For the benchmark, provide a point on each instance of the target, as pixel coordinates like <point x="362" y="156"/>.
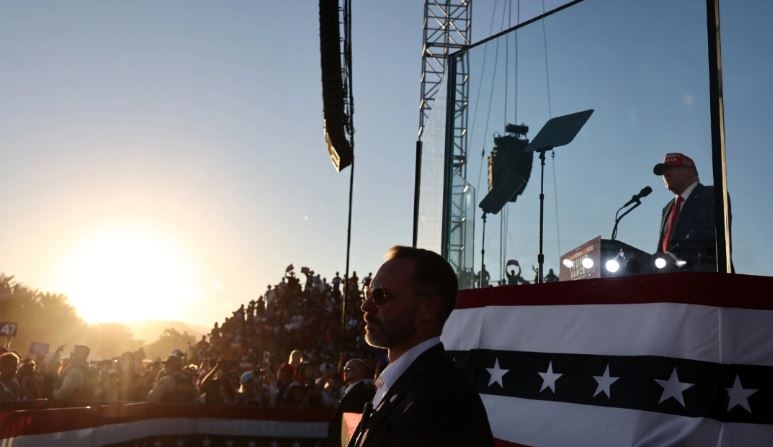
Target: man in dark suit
<point x="687" y="224"/>
<point x="422" y="398"/>
<point x="359" y="391"/>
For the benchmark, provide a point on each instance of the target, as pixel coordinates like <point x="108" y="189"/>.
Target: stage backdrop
<point x="162" y="425"/>
<point x="683" y="359"/>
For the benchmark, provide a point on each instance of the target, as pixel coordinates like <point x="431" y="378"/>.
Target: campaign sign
<point x="7" y="329"/>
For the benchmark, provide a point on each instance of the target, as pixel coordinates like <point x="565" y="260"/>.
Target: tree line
<point x="48" y="320"/>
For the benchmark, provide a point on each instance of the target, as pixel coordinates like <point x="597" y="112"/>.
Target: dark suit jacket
<point x="351" y="402"/>
<point x="694" y="239"/>
<point x="431" y="404"/>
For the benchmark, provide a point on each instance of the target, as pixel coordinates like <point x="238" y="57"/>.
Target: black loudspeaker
<point x="335" y="118"/>
<point x="494" y="201"/>
<point x="509" y="166"/>
<point x="509" y="169"/>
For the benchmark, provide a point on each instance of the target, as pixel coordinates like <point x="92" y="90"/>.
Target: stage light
<point x="668" y="260"/>
<point x="568" y="263"/>
<point x="587" y="263"/>
<point x="612" y="265"/>
<point x="619" y="263"/>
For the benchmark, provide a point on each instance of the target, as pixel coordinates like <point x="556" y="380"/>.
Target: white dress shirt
<point x="394" y="370"/>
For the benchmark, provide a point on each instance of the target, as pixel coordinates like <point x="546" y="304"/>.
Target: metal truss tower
<point x="447" y="28"/>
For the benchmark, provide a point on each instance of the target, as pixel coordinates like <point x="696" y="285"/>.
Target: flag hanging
<point x="678" y="359"/>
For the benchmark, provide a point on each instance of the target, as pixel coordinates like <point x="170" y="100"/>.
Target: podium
<point x="603" y="258"/>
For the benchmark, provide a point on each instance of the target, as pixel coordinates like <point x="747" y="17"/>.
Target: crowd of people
<point x="387" y="363"/>
<point x="286" y="349"/>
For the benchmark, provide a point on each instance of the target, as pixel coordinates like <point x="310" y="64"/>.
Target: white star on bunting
<point x="739" y="396"/>
<point x="496" y="374"/>
<point x="604" y="383"/>
<point x="549" y="378"/>
<point x="673" y="388"/>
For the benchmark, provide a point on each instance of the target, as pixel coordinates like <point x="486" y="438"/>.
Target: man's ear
<point x="430" y="308"/>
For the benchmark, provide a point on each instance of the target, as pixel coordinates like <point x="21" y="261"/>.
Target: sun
<point x="128" y="273"/>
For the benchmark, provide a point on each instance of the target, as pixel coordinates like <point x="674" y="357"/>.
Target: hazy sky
<point x="165" y="159"/>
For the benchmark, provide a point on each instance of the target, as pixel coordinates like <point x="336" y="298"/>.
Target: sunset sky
<point x="165" y="159"/>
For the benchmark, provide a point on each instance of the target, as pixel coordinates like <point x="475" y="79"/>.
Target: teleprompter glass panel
<point x="644" y="73"/>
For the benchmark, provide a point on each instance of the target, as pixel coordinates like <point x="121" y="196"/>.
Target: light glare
<point x="612" y="266"/>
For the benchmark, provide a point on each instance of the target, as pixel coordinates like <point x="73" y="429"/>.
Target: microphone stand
<point x="482" y="253"/>
<point x="541" y="255"/>
<point x="619" y="218"/>
<point x="558" y="131"/>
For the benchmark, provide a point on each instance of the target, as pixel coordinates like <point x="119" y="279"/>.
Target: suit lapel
<point x="685" y="216"/>
<point x="397" y="392"/>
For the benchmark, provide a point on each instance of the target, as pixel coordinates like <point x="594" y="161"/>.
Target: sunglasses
<point x="379" y="295"/>
<point x="349" y="369"/>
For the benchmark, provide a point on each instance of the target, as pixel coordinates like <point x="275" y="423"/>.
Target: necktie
<point x="672" y="222"/>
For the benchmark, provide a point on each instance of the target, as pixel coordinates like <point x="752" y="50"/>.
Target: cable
<point x="503" y="216"/>
<point x="477" y="103"/>
<point x="550" y="115"/>
<point x="515" y="81"/>
<point x="547" y="68"/>
<point x="488" y="114"/>
<point x="555" y="204"/>
<point x="507" y="57"/>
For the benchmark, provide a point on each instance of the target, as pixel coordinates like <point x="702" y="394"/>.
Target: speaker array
<point x="509" y="169"/>
<point x="333" y="90"/>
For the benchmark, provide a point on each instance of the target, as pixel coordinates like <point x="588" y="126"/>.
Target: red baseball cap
<point x="674" y="159"/>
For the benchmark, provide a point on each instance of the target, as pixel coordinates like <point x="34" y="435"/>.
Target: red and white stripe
<point x="707" y="317"/>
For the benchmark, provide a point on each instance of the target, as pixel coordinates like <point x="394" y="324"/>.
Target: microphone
<point x="636" y="197"/>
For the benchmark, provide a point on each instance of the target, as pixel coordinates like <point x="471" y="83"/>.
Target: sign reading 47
<point x="7" y="329"/>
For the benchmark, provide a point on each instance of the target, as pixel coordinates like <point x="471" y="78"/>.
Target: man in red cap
<point x="687" y="225"/>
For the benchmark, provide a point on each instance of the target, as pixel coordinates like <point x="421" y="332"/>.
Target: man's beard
<point x="387" y="335"/>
